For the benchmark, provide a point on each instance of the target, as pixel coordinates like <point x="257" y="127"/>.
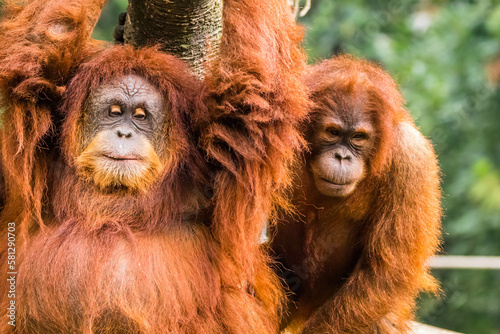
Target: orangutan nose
<point x="340" y="156"/>
<point x="124" y="132"/>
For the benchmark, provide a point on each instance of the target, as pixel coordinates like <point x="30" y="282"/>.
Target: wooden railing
<point x="426" y="329"/>
<point x="457" y="262"/>
<point x="465" y="262"/>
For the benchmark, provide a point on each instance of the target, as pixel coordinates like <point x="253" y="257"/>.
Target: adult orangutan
<point x="106" y="152"/>
<point x="369" y="207"/>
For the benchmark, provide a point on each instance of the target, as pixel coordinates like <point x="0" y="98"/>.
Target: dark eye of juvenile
<point x="333" y="132"/>
<point x="359" y="135"/>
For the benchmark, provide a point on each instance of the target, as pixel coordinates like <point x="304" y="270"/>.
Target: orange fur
<point x="170" y="259"/>
<point x="255" y="99"/>
<point x="138" y="177"/>
<point x="358" y="262"/>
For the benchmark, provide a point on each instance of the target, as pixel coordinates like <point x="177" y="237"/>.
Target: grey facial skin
<point x="127" y="108"/>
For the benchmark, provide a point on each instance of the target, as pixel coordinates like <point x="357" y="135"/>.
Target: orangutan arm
<point x="41" y="42"/>
<point x="255" y="100"/>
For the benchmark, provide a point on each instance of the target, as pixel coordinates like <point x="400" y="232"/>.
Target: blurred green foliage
<point x="439" y="52"/>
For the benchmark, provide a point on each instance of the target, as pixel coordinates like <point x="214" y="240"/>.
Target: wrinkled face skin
<point x="341" y="143"/>
<point x="121" y="129"/>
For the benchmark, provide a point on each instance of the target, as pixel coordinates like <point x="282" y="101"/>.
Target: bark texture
<point x="188" y="29"/>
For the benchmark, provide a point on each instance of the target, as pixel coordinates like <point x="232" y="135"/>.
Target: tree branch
<point x="188" y="29"/>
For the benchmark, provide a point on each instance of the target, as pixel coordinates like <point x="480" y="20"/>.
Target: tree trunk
<point x="188" y="29"/>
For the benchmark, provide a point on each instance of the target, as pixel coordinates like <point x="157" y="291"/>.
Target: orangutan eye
<point x="333" y="132"/>
<point x="359" y="136"/>
<point x="139" y="114"/>
<point x="115" y="110"/>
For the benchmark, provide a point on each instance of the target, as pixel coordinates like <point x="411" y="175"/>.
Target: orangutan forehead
<point x="133" y="85"/>
<point x="130" y="85"/>
<point x="349" y="110"/>
<point x="362" y="123"/>
<point x="130" y="90"/>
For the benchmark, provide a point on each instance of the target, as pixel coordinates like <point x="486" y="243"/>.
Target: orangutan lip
<point x="336" y="184"/>
<point x="122" y="158"/>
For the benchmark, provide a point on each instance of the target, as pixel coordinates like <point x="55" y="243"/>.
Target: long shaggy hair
<point x="183" y="256"/>
<point x="362" y="259"/>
